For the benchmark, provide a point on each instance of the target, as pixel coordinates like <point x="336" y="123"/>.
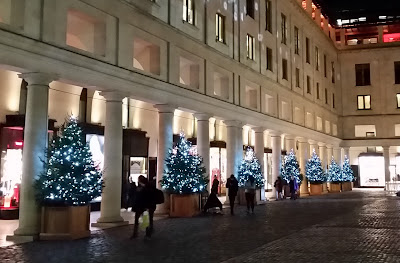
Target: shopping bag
<point x="144" y="220"/>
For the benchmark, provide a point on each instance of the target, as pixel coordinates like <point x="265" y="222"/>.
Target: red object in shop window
<point x="16" y="194"/>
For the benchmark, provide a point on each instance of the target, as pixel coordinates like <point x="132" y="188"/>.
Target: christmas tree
<point x="184" y="173"/>
<point x="314" y="171"/>
<point x="250" y="166"/>
<point x="291" y="168"/>
<point x="283" y="170"/>
<point x="69" y="177"/>
<point x="347" y="172"/>
<point x="334" y="172"/>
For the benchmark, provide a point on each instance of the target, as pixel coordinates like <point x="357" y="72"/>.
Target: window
<point x="364" y="102"/>
<point x="326" y="96"/>
<point x="363" y="75"/>
<point x="333" y="71"/>
<point x="268" y="15"/>
<point x="318" y="95"/>
<point x="284" y="69"/>
<point x="325" y="67"/>
<point x="269" y="59"/>
<point x="316" y="58"/>
<point x="296" y="41"/>
<point x="250" y="47"/>
<point x="284" y="29"/>
<point x="297" y="77"/>
<point x="308" y="84"/>
<point x="397" y="72"/>
<point x="146" y="56"/>
<point x="250" y="8"/>
<point x="333" y="101"/>
<point x="398" y="100"/>
<point x="220" y="28"/>
<point x="308" y="50"/>
<point x="188" y="11"/>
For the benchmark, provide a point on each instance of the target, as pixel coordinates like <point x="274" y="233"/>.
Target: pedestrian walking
<point x="250" y="193"/>
<point x="145" y="199"/>
<point x="278" y="188"/>
<point x="293" y="188"/>
<point x="233" y="186"/>
<point x="213" y="200"/>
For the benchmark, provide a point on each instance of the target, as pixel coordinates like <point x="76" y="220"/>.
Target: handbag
<point x="144" y="221"/>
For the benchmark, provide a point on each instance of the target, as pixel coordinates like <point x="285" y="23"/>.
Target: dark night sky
<point x="356" y="8"/>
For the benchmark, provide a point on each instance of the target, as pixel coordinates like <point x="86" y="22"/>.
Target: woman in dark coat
<point x="144" y="200"/>
<point x="213" y="200"/>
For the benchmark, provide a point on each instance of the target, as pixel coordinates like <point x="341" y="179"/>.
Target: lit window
<point x="269" y="59"/>
<point x="250" y="42"/>
<point x="188" y="11"/>
<point x="364" y="102"/>
<point x="398" y="100"/>
<point x="268" y="15"/>
<point x="296" y="41"/>
<point x="363" y="75"/>
<point x="284" y="29"/>
<point x="220" y="28"/>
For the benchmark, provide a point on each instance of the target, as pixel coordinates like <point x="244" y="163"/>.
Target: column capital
<point x="233" y="123"/>
<point x="38" y="78"/>
<point x="113" y="96"/>
<point x="329" y="146"/>
<point x="258" y="129"/>
<point x="312" y="142"/>
<point x="322" y="144"/>
<point x="302" y="140"/>
<point x="202" y="116"/>
<point x="165" y="108"/>
<point x="386" y="148"/>
<point x="290" y="137"/>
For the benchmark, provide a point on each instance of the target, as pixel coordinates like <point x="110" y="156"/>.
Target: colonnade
<point x="36" y="134"/>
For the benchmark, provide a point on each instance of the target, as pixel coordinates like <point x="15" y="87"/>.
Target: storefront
<point x="12" y="144"/>
<point x="372" y="170"/>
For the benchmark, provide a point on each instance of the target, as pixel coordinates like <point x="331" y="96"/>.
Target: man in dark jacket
<point x="233" y="185"/>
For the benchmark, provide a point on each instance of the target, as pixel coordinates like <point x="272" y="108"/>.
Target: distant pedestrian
<point x="233" y="186"/>
<point x="293" y="188"/>
<point x="278" y="188"/>
<point x="250" y="193"/>
<point x="145" y="199"/>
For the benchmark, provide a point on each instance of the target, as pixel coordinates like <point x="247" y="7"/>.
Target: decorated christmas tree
<point x="250" y="166"/>
<point x="291" y="168"/>
<point x="184" y="173"/>
<point x="69" y="177"/>
<point x="282" y="173"/>
<point x="347" y="172"/>
<point x="334" y="172"/>
<point x="314" y="172"/>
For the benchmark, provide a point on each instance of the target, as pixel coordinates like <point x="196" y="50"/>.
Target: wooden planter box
<point x="186" y="205"/>
<point x="242" y="197"/>
<point x="65" y="223"/>
<point x="347" y="186"/>
<point x="334" y="187"/>
<point x="315" y="189"/>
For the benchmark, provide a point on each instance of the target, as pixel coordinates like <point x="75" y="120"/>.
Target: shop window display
<point x="218" y="167"/>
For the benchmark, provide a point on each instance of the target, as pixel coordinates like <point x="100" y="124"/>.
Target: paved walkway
<point x="360" y="226"/>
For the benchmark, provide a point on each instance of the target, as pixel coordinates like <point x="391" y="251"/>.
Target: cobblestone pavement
<point x="359" y="226"/>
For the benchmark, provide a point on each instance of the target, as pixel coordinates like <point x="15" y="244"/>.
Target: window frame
<point x="188" y="12"/>
<point x="397" y="72"/>
<point x="270" y="64"/>
<point x="326" y="96"/>
<point x="220" y="28"/>
<point x="284" y="29"/>
<point x="325" y="66"/>
<point x="296" y="41"/>
<point x="360" y="71"/>
<point x="285" y="69"/>
<point x="250" y="10"/>
<point x="398" y="100"/>
<point x="363" y="98"/>
<point x="318" y="91"/>
<point x="308" y="54"/>
<point x="268" y="16"/>
<point x="308" y="85"/>
<point x="317" y="58"/>
<point x="298" y="78"/>
<point x="250" y="45"/>
<point x="333" y="72"/>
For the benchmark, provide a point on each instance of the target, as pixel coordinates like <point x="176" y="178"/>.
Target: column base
<point x="22" y="235"/>
<point x="108" y="222"/>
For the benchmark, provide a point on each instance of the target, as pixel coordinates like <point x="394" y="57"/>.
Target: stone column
<point x="323" y="157"/>
<point x="303" y="158"/>
<point x="276" y="158"/>
<point x="239" y="145"/>
<point x="329" y="153"/>
<point x="231" y="147"/>
<point x="346" y="153"/>
<point x="35" y="143"/>
<point x="259" y="152"/>
<point x="110" y="211"/>
<point x="290" y="143"/>
<point x="165" y="143"/>
<point x="313" y="147"/>
<point x="337" y="154"/>
<point x="203" y="140"/>
<point x="386" y="157"/>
